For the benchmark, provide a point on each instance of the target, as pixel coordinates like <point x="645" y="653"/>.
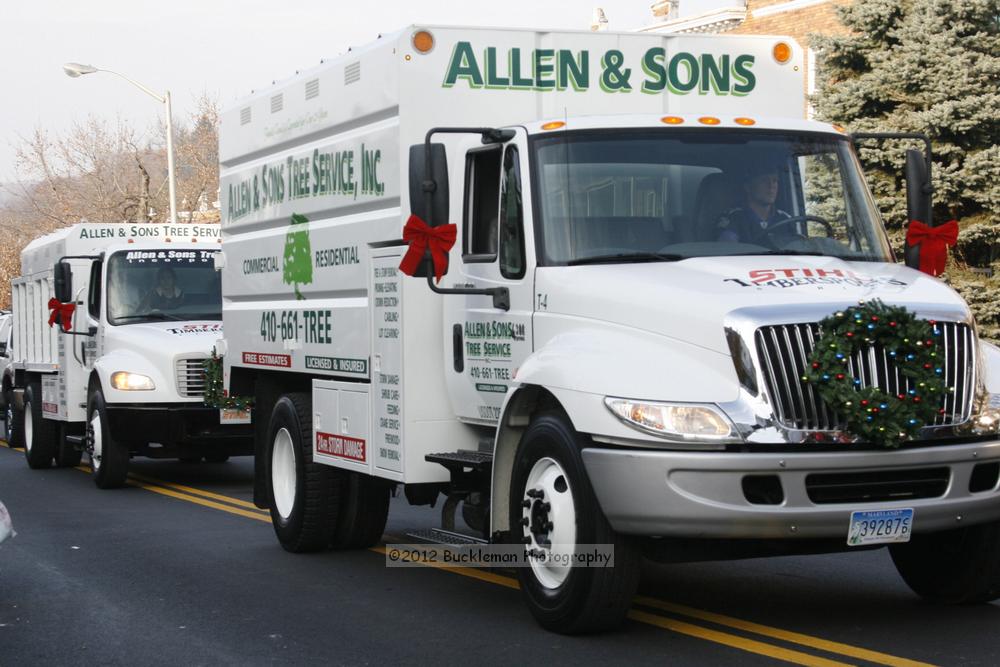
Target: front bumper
<point x="173" y="423"/>
<point x="700" y="494"/>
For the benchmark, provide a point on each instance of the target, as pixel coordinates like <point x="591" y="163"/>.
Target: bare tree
<point x="102" y="171"/>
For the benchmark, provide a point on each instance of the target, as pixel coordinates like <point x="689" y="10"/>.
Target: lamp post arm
<point x="159" y="98"/>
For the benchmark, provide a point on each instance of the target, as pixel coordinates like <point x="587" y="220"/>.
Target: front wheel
<point x="40" y="434"/>
<point x="553" y="510"/>
<point x="305" y="496"/>
<point x="954" y="567"/>
<point x="108" y="457"/>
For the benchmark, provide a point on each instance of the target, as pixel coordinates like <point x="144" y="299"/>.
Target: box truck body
<point x="611" y="320"/>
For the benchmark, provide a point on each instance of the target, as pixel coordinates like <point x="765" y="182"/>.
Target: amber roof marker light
<point x="553" y="125"/>
<point x="709" y="120"/>
<point x="672" y="120"/>
<point x="782" y="52"/>
<point x="744" y="121"/>
<point x="423" y="41"/>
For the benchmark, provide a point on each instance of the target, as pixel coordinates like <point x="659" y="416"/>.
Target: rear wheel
<point x="305" y="495"/>
<point x="364" y="509"/>
<point x="553" y="510"/>
<point x="108" y="457"/>
<point x="39" y="433"/>
<point x="954" y="567"/>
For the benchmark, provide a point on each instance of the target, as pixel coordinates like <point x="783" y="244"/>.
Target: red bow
<point x="61" y="312"/>
<point x="934" y="242"/>
<point x="421" y="237"/>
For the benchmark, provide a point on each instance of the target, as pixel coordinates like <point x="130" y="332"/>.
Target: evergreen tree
<point x="930" y="66"/>
<point x="297" y="260"/>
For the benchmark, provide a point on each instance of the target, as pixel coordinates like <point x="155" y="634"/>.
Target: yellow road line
<point x="197" y="492"/>
<point x="201" y="501"/>
<point x="258" y="515"/>
<point x="734" y="641"/>
<point x="784" y="635"/>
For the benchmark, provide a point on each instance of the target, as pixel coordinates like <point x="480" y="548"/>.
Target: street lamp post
<point x="76" y="69"/>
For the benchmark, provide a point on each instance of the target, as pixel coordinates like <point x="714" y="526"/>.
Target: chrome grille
<point x="784" y="352"/>
<point x="191" y="377"/>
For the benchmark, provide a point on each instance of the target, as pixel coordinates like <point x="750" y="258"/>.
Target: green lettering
<point x="516" y="80"/>
<point x="656" y="73"/>
<point x="573" y="72"/>
<point x="543" y="68"/>
<point x="746" y="80"/>
<point x="714" y="76"/>
<point x="674" y="81"/>
<point x="463" y="65"/>
<point x="493" y="79"/>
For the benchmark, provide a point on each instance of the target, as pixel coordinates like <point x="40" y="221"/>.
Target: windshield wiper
<point x="626" y="257"/>
<point x="150" y="316"/>
<point x="811" y="253"/>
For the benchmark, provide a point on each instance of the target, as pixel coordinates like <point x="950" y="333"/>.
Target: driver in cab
<point x="165" y="293"/>
<point x="757" y="220"/>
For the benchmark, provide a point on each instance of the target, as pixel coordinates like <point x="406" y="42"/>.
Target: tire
<point x="216" y="458"/>
<point x="67" y="455"/>
<point x="571" y="600"/>
<point x="40" y="434"/>
<point x="364" y="509"/>
<point x="108" y="457"/>
<point x="305" y="496"/>
<point x="954" y="567"/>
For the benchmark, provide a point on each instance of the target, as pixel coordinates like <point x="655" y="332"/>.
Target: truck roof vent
<point x="277" y="103"/>
<point x="244" y="115"/>
<point x="312" y="88"/>
<point x="352" y="72"/>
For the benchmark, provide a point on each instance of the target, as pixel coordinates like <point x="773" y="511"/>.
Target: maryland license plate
<point x="880" y="527"/>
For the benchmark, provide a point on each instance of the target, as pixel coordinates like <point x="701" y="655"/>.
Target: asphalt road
<point x="179" y="567"/>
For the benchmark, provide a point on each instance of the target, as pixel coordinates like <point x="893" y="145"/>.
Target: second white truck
<point x="113" y="324"/>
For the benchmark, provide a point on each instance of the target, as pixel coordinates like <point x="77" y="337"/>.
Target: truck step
<point x="463" y="459"/>
<point x="438" y="536"/>
<point x="78" y="441"/>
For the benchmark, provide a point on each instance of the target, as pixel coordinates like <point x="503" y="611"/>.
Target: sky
<point x="225" y="48"/>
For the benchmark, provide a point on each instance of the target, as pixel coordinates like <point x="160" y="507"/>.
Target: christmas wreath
<point x="872" y="415"/>
<point x="215" y="394"/>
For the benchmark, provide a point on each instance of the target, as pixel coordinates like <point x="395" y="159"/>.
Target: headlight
<point x="685" y="422"/>
<point x="125" y="381"/>
<point x="988" y="419"/>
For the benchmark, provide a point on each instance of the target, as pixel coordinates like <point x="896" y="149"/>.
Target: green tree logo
<point x="297" y="267"/>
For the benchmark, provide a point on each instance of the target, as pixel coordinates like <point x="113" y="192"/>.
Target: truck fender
<point x="991" y="367"/>
<point x="127" y="360"/>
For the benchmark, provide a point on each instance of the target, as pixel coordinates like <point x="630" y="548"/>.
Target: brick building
<point x="795" y="18"/>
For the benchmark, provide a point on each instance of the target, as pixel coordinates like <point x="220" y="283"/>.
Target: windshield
<point x="163" y="285"/>
<point x="666" y="195"/>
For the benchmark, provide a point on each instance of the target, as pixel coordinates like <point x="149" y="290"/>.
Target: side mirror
<point x="436" y="182"/>
<point x="63" y="281"/>
<point x="918" y="199"/>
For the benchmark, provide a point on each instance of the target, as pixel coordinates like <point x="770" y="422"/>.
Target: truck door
<point x="94" y="345"/>
<point x="489" y="344"/>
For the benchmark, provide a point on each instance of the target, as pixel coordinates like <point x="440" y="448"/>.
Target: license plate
<point x="231" y="416"/>
<point x="880" y="527"/>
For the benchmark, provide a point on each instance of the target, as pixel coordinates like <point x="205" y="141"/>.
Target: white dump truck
<point x="641" y="241"/>
<point x="113" y="324"/>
